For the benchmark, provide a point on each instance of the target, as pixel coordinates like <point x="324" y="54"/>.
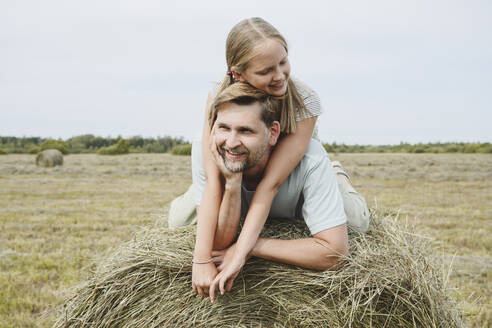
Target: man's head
<point x="244" y="123"/>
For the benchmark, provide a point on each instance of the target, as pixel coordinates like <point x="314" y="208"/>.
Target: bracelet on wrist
<point x="201" y="262"/>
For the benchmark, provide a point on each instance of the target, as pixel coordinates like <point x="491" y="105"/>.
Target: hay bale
<point x="390" y="280"/>
<point x="49" y="158"/>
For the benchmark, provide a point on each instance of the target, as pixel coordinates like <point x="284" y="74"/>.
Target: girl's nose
<point x="278" y="74"/>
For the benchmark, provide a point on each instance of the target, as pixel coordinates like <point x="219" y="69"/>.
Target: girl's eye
<point x="265" y="72"/>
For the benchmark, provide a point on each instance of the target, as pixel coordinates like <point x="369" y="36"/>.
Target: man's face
<point x="241" y="136"/>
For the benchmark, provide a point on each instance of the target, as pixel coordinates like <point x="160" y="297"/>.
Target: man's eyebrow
<point x="245" y="127"/>
<point x="238" y="128"/>
<point x="220" y="123"/>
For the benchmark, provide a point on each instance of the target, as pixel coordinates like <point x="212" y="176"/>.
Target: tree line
<point x="403" y="147"/>
<point x="89" y="143"/>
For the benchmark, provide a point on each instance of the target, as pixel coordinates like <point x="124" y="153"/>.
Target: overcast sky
<point x="386" y="71"/>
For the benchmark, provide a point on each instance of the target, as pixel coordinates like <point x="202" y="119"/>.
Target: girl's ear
<point x="238" y="76"/>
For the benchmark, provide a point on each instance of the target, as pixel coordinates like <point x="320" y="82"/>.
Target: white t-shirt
<point x="310" y="192"/>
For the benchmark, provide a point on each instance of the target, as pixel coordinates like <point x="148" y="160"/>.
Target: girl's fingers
<point x="213" y="287"/>
<point x="221" y="285"/>
<point x="217" y="253"/>
<point x="232" y="280"/>
<point x="218" y="260"/>
<point x="200" y="291"/>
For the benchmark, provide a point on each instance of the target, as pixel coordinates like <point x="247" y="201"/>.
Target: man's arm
<point x="229" y="214"/>
<point x="321" y="252"/>
<point x="286" y="156"/>
<point x="230" y="205"/>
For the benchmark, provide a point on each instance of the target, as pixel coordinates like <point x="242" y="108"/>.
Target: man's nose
<point x="233" y="141"/>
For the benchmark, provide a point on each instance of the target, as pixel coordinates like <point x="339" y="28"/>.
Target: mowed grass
<point x="55" y="222"/>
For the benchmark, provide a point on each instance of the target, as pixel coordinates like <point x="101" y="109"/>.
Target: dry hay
<point x="49" y="158"/>
<point x="390" y="280"/>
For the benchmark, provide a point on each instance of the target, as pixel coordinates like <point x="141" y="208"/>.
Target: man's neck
<point x="252" y="177"/>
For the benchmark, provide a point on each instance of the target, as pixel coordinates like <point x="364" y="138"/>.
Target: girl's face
<point x="269" y="69"/>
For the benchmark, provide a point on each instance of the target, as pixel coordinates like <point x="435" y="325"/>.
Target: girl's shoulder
<point x="303" y="89"/>
<point x="309" y="97"/>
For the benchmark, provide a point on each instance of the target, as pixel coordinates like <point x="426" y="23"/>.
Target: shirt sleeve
<point x="323" y="203"/>
<point x="311" y="101"/>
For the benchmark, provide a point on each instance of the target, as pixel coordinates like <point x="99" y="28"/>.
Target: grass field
<point x="55" y="222"/>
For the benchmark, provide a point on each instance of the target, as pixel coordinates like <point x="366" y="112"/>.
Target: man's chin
<point x="235" y="167"/>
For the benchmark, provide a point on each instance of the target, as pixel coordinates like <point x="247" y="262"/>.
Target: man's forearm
<point x="311" y="253"/>
<point x="229" y="214"/>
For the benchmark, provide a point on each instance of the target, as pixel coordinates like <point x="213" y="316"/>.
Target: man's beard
<point x="250" y="160"/>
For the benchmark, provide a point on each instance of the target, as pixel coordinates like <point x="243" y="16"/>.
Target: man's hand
<point x="202" y="276"/>
<point x="229" y="176"/>
<point x="229" y="268"/>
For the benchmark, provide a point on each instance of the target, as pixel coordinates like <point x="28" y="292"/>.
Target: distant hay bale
<point x="181" y="150"/>
<point x="49" y="158"/>
<point x="390" y="280"/>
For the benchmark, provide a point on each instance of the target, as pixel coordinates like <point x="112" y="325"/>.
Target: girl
<point x="256" y="53"/>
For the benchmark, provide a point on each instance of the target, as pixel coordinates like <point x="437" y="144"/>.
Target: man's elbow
<point x="332" y="257"/>
<point x="332" y="261"/>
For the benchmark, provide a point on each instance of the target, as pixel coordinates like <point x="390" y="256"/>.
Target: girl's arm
<point x="203" y="274"/>
<point x="211" y="197"/>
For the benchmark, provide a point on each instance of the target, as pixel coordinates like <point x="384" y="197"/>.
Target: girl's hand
<point x="231" y="265"/>
<point x="220" y="258"/>
<point x="202" y="276"/>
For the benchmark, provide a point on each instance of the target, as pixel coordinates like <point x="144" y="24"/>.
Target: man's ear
<point x="274" y="133"/>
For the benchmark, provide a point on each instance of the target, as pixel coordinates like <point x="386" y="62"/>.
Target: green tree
<point x="55" y="144"/>
<point x="120" y="148"/>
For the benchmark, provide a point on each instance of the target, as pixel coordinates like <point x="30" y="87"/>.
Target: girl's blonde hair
<point x="241" y="41"/>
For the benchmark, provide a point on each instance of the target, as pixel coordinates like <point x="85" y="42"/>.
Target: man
<point x="245" y="129"/>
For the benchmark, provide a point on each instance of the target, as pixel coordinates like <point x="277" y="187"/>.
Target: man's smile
<point x="235" y="155"/>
